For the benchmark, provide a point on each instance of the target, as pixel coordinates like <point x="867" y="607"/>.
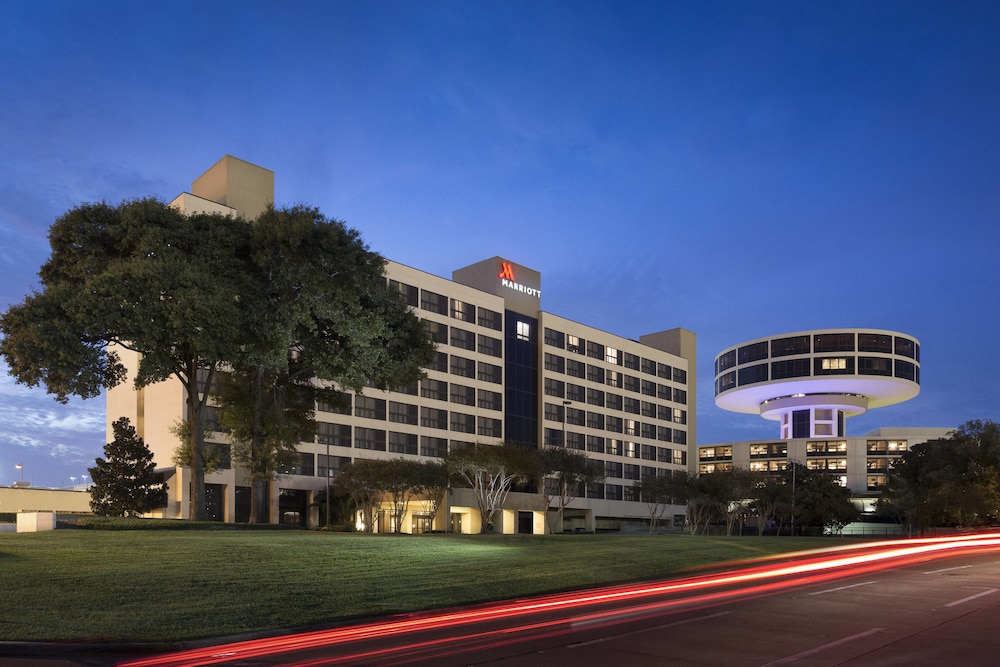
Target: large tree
<point x="325" y="320"/>
<point x="125" y="482"/>
<point x="662" y="490"/>
<point x="954" y="481"/>
<point x="143" y="277"/>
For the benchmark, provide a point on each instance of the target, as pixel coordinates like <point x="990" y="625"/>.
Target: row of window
<point x="433" y="302"/>
<point x="604" y="421"/>
<point x="379" y="409"/>
<point x="467" y="368"/>
<point x="814" y="448"/>
<point x="613" y="356"/>
<point x="780" y="370"/>
<point x="601" y="376"/>
<point x="818" y="343"/>
<point x="594" y="443"/>
<point x="463" y="339"/>
<point x="340" y="435"/>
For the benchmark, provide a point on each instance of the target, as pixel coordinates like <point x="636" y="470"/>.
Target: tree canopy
<point x="197" y="294"/>
<point x="949" y="482"/>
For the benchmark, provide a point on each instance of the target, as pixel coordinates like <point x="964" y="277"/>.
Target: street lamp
<point x="72" y="479"/>
<point x="793" y="463"/>
<point x="20" y="467"/>
<point x="565" y="415"/>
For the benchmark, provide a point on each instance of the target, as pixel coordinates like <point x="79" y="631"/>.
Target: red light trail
<point x="515" y="621"/>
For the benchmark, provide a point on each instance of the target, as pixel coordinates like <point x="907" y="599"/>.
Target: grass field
<point x="147" y="585"/>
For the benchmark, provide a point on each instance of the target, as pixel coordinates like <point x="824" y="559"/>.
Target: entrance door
<point x="525" y="522"/>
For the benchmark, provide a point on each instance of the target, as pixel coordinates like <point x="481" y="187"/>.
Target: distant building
<point x="810" y="382"/>
<point x="505" y="371"/>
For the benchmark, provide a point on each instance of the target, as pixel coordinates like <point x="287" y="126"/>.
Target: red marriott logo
<point x="506" y="277"/>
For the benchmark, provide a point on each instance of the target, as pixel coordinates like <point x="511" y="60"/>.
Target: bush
<point x="135" y="523"/>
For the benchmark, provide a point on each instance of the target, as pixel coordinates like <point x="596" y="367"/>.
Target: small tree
<point x="399" y="481"/>
<point x="660" y="491"/>
<point x="126" y="483"/>
<point x="359" y="480"/>
<point x="563" y="471"/>
<point x="434" y="484"/>
<point x="490" y="470"/>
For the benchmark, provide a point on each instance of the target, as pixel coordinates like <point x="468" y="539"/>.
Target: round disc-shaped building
<point x="810" y="381"/>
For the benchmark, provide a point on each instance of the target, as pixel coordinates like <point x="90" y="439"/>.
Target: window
<point x="575" y="392"/>
<point x="433" y="302"/>
<point x="595" y="374"/>
<point x="612" y="356"/>
<point x="436" y="447"/>
<point x="649" y="430"/>
<point x="595" y="350"/>
<point x="463" y="367"/>
<point x="680" y="376"/>
<point x="595" y="420"/>
<point x="574" y="344"/>
<point x="631" y="383"/>
<point x="489" y="427"/>
<point x="436" y="331"/>
<point x="680" y="416"/>
<point x="789" y="368"/>
<point x="837" y="342"/>
<point x="369" y="408"/>
<point x="681" y="438"/>
<point x="463" y="339"/>
<point x="460" y="310"/>
<point x="906" y="347"/>
<point x="555" y="338"/>
<point x="631" y="471"/>
<point x="680" y="396"/>
<point x="631" y="427"/>
<point x="834" y="366"/>
<point x="663" y="371"/>
<point x="613" y="446"/>
<point x="330" y="466"/>
<point x="435" y="389"/>
<point x="490" y="400"/>
<point x="648" y="388"/>
<point x="905" y="370"/>
<point x="614" y="379"/>
<point x="752" y="352"/>
<point x="440" y="363"/>
<point x="304" y="464"/>
<point x="614" y="424"/>
<point x="491" y="346"/>
<point x="434" y="418"/>
<point x="490" y="373"/>
<point x="490" y="319"/>
<point x="342" y="405"/>
<point x="523" y="331"/>
<point x="613" y="401"/>
<point x="725" y="361"/>
<point x="648" y="453"/>
<point x="555" y="388"/>
<point x="663" y="454"/>
<point x="648" y="409"/>
<point x="752" y="374"/>
<point x="595" y="397"/>
<point x="613" y="491"/>
<point x="577" y="369"/>
<point x="663" y="433"/>
<point x="648" y="366"/>
<point x="783" y="347"/>
<point x="595" y="443"/>
<point x="874" y="366"/>
<point x="575" y="417"/>
<point x="575" y="441"/>
<point x="336" y="435"/>
<point x="664" y="392"/>
<point x="552" y="437"/>
<point x="632" y="405"/>
<point x="554" y="363"/>
<point x="872" y="342"/>
<point x="403" y="413"/>
<point x="462" y="395"/>
<point x="410" y="294"/>
<point x="369" y="438"/>
<point x="553" y="412"/>
<point x="463" y="423"/>
<point x="630" y="361"/>
<point x="403" y="443"/>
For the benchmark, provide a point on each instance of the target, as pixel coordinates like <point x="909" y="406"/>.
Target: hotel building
<point x="505" y="371"/>
<point x="810" y="382"/>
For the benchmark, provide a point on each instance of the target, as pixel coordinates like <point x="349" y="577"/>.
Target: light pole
<point x="328" y="482"/>
<point x="20" y="468"/>
<point x="566" y="405"/>
<point x="794" y="464"/>
<point x="72" y="480"/>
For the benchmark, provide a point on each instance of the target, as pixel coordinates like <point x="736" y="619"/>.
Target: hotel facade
<point x="505" y="371"/>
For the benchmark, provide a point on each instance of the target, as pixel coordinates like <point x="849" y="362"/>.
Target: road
<point x="893" y="603"/>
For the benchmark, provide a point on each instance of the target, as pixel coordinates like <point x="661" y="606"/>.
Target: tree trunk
<point x="198" y="511"/>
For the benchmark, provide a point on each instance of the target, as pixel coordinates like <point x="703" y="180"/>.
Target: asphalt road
<point x="930" y="612"/>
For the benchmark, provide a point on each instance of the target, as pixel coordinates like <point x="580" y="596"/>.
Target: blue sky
<point x="739" y="169"/>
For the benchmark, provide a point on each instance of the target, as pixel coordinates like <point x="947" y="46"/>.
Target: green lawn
<point x="154" y="585"/>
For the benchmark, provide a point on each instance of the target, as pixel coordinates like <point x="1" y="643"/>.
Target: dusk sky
<point x="739" y="169"/>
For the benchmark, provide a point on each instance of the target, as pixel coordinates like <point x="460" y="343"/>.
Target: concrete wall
<point x="43" y="500"/>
